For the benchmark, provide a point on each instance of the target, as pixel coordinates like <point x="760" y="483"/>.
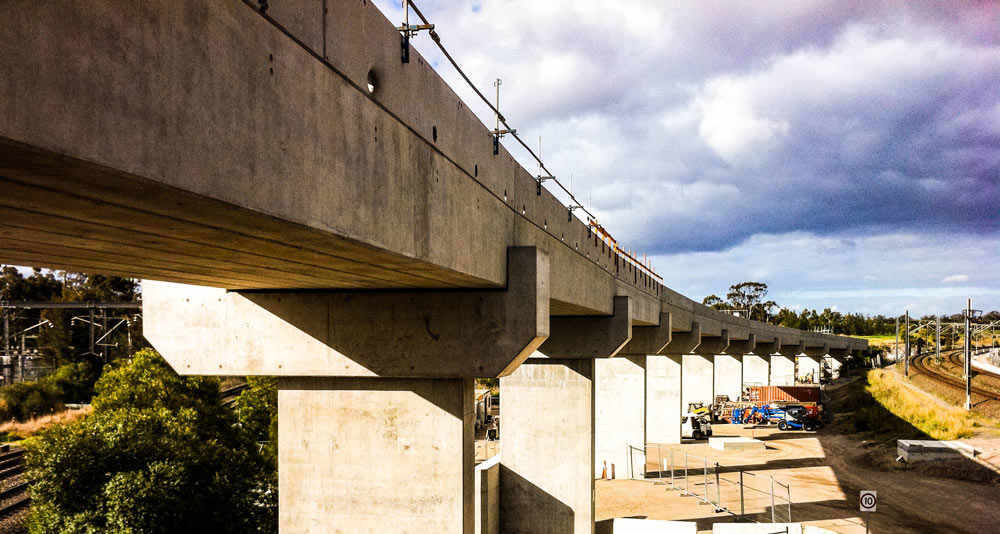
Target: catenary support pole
<point x="906" y="356"/>
<point x="937" y="337"/>
<point x="968" y="357"/>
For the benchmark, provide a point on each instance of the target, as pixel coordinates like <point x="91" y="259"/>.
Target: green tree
<point x="159" y="454"/>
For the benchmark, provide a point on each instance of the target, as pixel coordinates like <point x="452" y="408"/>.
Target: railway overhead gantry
<point x="313" y="208"/>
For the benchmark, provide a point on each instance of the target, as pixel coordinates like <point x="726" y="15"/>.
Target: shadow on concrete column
<point x="547" y="449"/>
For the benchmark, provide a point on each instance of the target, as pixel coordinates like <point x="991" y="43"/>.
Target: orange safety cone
<point x="604" y="472"/>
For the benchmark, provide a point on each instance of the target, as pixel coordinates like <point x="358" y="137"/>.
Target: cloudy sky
<point x="845" y="153"/>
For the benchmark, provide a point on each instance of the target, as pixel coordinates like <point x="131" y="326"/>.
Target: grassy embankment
<point x="884" y="408"/>
<point x="11" y="431"/>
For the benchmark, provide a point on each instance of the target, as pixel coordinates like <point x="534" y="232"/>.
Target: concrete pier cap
<point x="590" y="337"/>
<point x="355" y="333"/>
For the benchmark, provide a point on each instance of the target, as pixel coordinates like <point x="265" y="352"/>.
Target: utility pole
<point x="937" y="339"/>
<point x="906" y="357"/>
<point x="968" y="355"/>
<point x="91" y="330"/>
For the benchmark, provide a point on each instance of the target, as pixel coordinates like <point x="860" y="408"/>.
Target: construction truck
<point x="696" y="425"/>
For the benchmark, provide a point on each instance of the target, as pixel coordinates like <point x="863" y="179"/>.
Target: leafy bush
<point x="71" y="383"/>
<point x="159" y="454"/>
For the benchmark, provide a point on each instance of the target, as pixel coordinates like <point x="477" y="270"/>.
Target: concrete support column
<point x="547" y="448"/>
<point x="729" y="375"/>
<point x="619" y="415"/>
<point x="782" y="370"/>
<point x="835" y="366"/>
<point x="348" y="445"/>
<point x="810" y="367"/>
<point x="756" y="370"/>
<point x="663" y="399"/>
<point x="697" y="381"/>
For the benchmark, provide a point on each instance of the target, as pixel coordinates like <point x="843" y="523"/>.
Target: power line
<point x="574" y="204"/>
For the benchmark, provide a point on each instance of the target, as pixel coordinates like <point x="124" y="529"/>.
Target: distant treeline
<point x="748" y="299"/>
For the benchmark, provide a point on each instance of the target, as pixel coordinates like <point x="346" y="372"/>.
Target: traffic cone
<point x="604" y="472"/>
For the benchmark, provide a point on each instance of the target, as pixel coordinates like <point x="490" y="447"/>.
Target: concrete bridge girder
<point x="360" y="334"/>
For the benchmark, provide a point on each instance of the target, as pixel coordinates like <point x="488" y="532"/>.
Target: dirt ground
<point x="826" y="472"/>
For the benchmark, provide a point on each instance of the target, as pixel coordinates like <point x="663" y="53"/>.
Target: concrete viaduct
<point x="312" y="208"/>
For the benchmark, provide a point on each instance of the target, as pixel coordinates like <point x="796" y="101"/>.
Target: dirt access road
<point x="826" y="472"/>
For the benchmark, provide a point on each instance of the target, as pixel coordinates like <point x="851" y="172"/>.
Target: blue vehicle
<point x="797" y="418"/>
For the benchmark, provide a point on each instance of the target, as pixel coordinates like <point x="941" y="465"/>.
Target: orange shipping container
<point x="765" y="395"/>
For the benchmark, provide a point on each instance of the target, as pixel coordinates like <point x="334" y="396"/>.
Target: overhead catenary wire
<point x="574" y="203"/>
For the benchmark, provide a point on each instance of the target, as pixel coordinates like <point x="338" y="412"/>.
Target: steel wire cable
<point x="575" y="204"/>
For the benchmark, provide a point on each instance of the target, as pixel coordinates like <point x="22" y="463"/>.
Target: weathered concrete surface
<point x="663" y="399"/>
<point x="728" y="375"/>
<point x="358" y="454"/>
<point x="590" y="337"/>
<point x="697" y="382"/>
<point x="619" y="414"/>
<point x="739" y="347"/>
<point x="685" y="342"/>
<point x="487" y="497"/>
<point x="782" y="370"/>
<point x="809" y="367"/>
<point x="712" y="345"/>
<point x="413" y="334"/>
<point x="547" y="449"/>
<point x="647" y="340"/>
<point x="756" y="370"/>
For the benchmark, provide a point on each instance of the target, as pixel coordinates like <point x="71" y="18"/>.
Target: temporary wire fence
<point x="748" y="497"/>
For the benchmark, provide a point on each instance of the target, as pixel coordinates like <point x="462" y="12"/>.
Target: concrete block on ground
<point x="925" y="450"/>
<point x="729" y="375"/>
<point x="663" y="399"/>
<point x="756" y="528"/>
<point x="487" y="497"/>
<point x="547" y="450"/>
<point x="697" y="382"/>
<point x="358" y="454"/>
<point x="736" y="444"/>
<point x="623" y="525"/>
<point x="619" y="415"/>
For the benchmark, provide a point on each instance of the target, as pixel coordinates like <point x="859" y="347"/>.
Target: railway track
<point x="13" y="489"/>
<point x="920" y="363"/>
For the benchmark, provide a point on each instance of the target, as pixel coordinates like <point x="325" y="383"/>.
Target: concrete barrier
<point x="925" y="450"/>
<point x="622" y="525"/>
<point x="736" y="444"/>
<point x="487" y="499"/>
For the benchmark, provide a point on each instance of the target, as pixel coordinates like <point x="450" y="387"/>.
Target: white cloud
<point x="729" y="123"/>
<point x="955" y="278"/>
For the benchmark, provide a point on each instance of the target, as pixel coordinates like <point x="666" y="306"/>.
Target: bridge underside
<point x="64" y="213"/>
